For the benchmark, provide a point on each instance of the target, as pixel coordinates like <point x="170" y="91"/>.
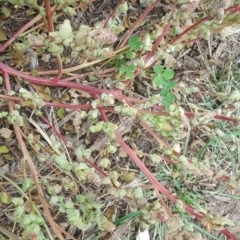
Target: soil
<point x="190" y="71"/>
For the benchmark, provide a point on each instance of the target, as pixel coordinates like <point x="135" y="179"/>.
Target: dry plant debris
<point x="119" y="119"/>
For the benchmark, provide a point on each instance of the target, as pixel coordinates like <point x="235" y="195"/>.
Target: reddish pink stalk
<point x="47" y="82"/>
<point x="189" y="29"/>
<point x="157" y="42"/>
<point x="10" y="97"/>
<point x="158" y="186"/>
<point x="112" y="13"/>
<point x="51" y="29"/>
<point x="49" y="15"/>
<point x="151" y="177"/>
<point x="233" y="9"/>
<point x="191" y="115"/>
<point x="218" y="117"/>
<point x="228" y="234"/>
<point x="230" y="10"/>
<point x="155" y="182"/>
<point x="77" y="106"/>
<point x="20" y="31"/>
<point x="26" y="157"/>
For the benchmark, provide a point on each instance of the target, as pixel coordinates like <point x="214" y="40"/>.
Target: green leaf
<point x="60" y="113"/>
<point x="120" y="63"/>
<point x="158" y="69"/>
<point x="137" y="193"/>
<point x="111" y="148"/>
<point x="135" y="43"/>
<point x="62" y="162"/>
<point x="129" y="54"/>
<point x="166" y="104"/>
<point x="79" y="153"/>
<point x="167" y="100"/>
<point x="55" y="49"/>
<point x="3" y="36"/>
<point x="3" y="149"/>
<point x="164" y="91"/>
<point x="56" y="145"/>
<point x="87" y="152"/>
<point x="105" y="162"/>
<point x="65" y="30"/>
<point x="171" y="84"/>
<point x="155" y="158"/>
<point x="128" y="70"/>
<point x="170" y="97"/>
<point x="107" y="99"/>
<point x="54" y="200"/>
<point x="122" y="70"/>
<point x="109" y="127"/>
<point x="158" y="80"/>
<point x="98" y="127"/>
<point x="27" y="184"/>
<point x="126" y="110"/>
<point x="4" y="198"/>
<point x="168" y="74"/>
<point x="17" y="201"/>
<point x="129" y="75"/>
<point x="131" y="68"/>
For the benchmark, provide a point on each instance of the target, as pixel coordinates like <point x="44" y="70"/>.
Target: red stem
<point x="20" y="31"/>
<point x="143" y="168"/>
<point x="112" y="13"/>
<point x="189" y="29"/>
<point x="231" y="10"/>
<point x="51" y="29"/>
<point x="26" y="157"/>
<point x="157" y="42"/>
<point x="49" y="15"/>
<point x="46" y="81"/>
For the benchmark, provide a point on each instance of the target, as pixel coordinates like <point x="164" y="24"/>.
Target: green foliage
<point x="18" y="2"/>
<point x="162" y="79"/>
<point x="5" y="11"/>
<point x="3" y="114"/>
<point x="79" y="152"/>
<point x="168" y="126"/>
<point x="84" y="46"/>
<point x="60" y="113"/>
<point x="128" y="71"/>
<point x="126" y="110"/>
<point x="32" y="99"/>
<point x="15" y="118"/>
<point x="117" y="63"/>
<point x="61" y="161"/>
<point x="134" y="45"/>
<point x="4" y="198"/>
<point x="107" y="99"/>
<point x="107" y="127"/>
<point x="27" y="184"/>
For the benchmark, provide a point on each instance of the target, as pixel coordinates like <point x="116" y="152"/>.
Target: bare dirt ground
<point x="212" y="66"/>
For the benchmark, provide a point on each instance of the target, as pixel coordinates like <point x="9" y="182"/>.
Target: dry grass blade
<point x="9" y="234"/>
